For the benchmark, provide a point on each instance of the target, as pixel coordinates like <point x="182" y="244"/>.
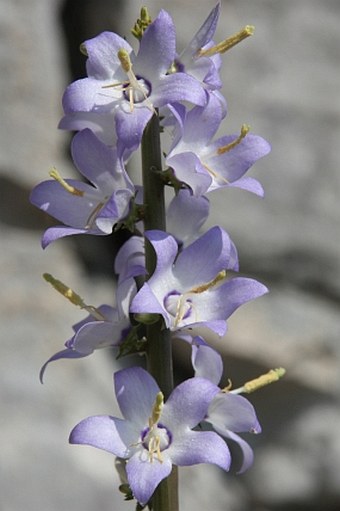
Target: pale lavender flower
<point x="189" y="289"/>
<point x="154" y="435"/>
<point x="205" y="165"/>
<point x="86" y="208"/>
<point x="105" y="326"/>
<point x="122" y="100"/>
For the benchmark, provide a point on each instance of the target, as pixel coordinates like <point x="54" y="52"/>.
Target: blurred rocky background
<point x="285" y="82"/>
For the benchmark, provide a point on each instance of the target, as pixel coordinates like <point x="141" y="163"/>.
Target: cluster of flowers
<point x="191" y="287"/>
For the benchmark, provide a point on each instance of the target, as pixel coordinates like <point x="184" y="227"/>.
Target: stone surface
<point x="284" y="81"/>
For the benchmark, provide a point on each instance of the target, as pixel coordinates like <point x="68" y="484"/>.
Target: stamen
<point x="69" y="188"/>
<point x="73" y="297"/>
<point x="204" y="287"/>
<point x="228" y="43"/>
<point x="265" y="379"/>
<point x="156" y="410"/>
<point x="215" y="175"/>
<point x="244" y="131"/>
<point x="133" y="85"/>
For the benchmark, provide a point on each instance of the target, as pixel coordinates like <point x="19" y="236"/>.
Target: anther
<point x="156" y="410"/>
<point x="244" y="131"/>
<point x="265" y="379"/>
<point x="228" y="43"/>
<point x="69" y="188"/>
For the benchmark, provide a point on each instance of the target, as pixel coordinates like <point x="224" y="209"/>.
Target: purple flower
<point x="154" y="435"/>
<point x="124" y="100"/>
<point x="105" y="326"/>
<point x="206" y="165"/>
<point x="190" y="289"/>
<point x="86" y="208"/>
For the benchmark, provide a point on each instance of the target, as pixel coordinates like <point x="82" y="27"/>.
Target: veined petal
<point x="130" y="124"/>
<point x="247" y="451"/>
<point x="165" y="247"/>
<point x="103" y="62"/>
<point x="189" y="170"/>
<point x="60" y="231"/>
<point x="185" y="216"/>
<point x="146" y="301"/>
<point x="144" y="476"/>
<point x="136" y="391"/>
<point x="188" y="403"/>
<point x="247" y="183"/>
<point x="205" y="33"/>
<point x="201" y="261"/>
<point x="178" y="87"/>
<point x="105" y="432"/>
<point x="101" y="124"/>
<point x="206" y="361"/>
<point x="85" y="94"/>
<point x="195" y="447"/>
<point x="232" y="412"/>
<point x="157" y="47"/>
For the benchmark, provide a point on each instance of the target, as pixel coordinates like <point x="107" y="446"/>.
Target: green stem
<point x="159" y="350"/>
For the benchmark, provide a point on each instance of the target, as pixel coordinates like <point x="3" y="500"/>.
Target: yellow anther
<point x="244" y="131"/>
<point x="263" y="380"/>
<point x="204" y="287"/>
<point x="73" y="297"/>
<point x="228" y="43"/>
<point x="69" y="188"/>
<point x="141" y="24"/>
<point x="125" y="60"/>
<point x="156" y="409"/>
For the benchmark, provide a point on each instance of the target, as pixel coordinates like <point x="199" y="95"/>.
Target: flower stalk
<point x="159" y="348"/>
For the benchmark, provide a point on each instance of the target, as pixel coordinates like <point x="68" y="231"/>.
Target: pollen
<point x="228" y="43"/>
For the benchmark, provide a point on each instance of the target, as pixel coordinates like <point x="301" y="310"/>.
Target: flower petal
<point x="144" y="476"/>
<point x="105" y="432"/>
<point x="229" y="411"/>
<point x="188" y="403"/>
<point x="200" y="447"/>
<point x="136" y="391"/>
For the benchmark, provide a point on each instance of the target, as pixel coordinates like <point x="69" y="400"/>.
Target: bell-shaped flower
<point x="155" y="435"/>
<point x="190" y="289"/>
<point x="86" y="208"/>
<point x="205" y="165"/>
<point x="105" y="326"/>
<point x="123" y="89"/>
